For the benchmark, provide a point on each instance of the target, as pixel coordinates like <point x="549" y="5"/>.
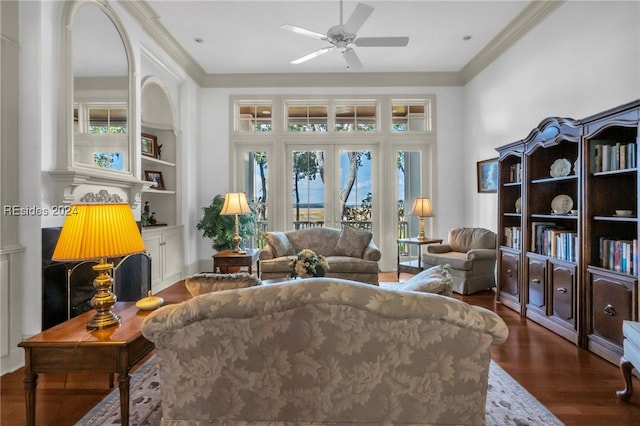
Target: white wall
<point x="581" y="60"/>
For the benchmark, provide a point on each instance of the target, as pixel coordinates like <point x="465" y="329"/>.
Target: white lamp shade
<point x="235" y="203"/>
<point x="422" y="207"/>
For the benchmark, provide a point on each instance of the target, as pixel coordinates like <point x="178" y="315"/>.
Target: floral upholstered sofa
<point x="323" y="351"/>
<point x="350" y="253"/>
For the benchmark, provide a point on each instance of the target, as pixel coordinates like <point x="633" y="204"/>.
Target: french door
<point x="331" y="185"/>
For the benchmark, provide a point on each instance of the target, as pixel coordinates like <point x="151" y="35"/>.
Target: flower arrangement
<point x="308" y="264"/>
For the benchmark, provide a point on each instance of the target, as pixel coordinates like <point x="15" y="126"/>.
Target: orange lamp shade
<point x="98" y="231"/>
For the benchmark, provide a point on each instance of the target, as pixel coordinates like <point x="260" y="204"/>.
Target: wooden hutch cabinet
<point x="574" y="269"/>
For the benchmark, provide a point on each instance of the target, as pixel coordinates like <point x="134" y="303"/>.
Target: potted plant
<point x="220" y="228"/>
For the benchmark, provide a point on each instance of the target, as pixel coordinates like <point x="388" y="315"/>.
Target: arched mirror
<point x="100" y="92"/>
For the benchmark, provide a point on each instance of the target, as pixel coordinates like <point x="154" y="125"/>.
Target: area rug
<point x="508" y="403"/>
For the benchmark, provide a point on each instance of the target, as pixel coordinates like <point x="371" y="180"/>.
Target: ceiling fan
<point x="343" y="37"/>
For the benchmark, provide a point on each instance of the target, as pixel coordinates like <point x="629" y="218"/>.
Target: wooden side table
<point x="231" y="258"/>
<point x="413" y="266"/>
<point x="69" y="346"/>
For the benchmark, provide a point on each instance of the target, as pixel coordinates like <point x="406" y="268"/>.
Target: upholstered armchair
<point x="471" y="255"/>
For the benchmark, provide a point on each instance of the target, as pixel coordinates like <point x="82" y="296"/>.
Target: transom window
<point x="411" y="116"/>
<point x="254" y="117"/>
<point x="307" y="118"/>
<point x="356" y="117"/>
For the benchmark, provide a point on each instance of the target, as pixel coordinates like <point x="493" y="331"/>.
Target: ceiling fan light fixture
<point x="343" y="36"/>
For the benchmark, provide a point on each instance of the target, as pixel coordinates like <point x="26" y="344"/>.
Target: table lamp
<point x="422" y="209"/>
<point x="99" y="231"/>
<point x="235" y="203"/>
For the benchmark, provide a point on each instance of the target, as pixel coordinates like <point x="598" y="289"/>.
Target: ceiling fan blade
<point x="353" y="62"/>
<point x="382" y="41"/>
<point x="313" y="55"/>
<point x="360" y="14"/>
<point x="303" y="31"/>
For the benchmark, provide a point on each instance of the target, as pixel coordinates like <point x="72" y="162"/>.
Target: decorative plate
<point x="562" y="204"/>
<point x="149" y="303"/>
<point x="518" y="205"/>
<point x="561" y="167"/>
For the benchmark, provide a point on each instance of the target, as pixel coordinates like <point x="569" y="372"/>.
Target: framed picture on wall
<point x="156" y="177"/>
<point x="488" y="175"/>
<point x="149" y="145"/>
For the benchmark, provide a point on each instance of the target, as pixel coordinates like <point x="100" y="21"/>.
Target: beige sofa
<point x="471" y="255"/>
<point x="323" y="351"/>
<point x="350" y="253"/>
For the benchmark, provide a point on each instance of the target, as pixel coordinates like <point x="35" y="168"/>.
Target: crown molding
<point x="342" y="79"/>
<point x="536" y="12"/>
<point x="150" y="23"/>
<point x="529" y="18"/>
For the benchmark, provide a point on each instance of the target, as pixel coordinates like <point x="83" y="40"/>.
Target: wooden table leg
<point x="123" y="384"/>
<point x="30" y="384"/>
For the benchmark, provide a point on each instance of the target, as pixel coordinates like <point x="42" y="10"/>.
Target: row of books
<point x="547" y="240"/>
<point x="512" y="237"/>
<point x="619" y="255"/>
<point x="614" y="157"/>
<point x="515" y="172"/>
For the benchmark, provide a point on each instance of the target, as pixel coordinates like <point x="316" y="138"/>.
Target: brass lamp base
<point x="421" y="234"/>
<point x="104" y="299"/>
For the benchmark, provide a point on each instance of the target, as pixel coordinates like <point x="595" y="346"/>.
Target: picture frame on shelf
<point x="155" y="177"/>
<point x="149" y="145"/>
<point x="488" y="175"/>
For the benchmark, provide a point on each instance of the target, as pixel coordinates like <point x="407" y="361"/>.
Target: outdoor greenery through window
<point x="307" y="118"/>
<point x="356" y="118"/>
<point x="254" y="118"/>
<point x="102" y="119"/>
<point x="411" y="116"/>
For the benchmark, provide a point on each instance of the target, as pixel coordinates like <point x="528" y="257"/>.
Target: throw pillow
<point x="206" y="283"/>
<point x="433" y="280"/>
<point x="280" y="243"/>
<point x="352" y="242"/>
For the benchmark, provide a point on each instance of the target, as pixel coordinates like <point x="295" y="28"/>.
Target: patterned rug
<point x="508" y="403"/>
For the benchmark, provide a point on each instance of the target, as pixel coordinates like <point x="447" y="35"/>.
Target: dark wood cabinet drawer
<point x="509" y="273"/>
<point x="612" y="304"/>
<point x="537" y="281"/>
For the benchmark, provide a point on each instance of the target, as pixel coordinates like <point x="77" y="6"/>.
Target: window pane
<point x="409" y="176"/>
<point x="356" y="188"/>
<point x="308" y="189"/>
<point x="256" y="169"/>
<point x="307" y="118"/>
<point x="356" y="118"/>
<point x="254" y="118"/>
<point x="410" y="116"/>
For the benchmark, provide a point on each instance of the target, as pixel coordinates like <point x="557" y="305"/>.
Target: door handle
<point x="535" y="281"/>
<point x="562" y="290"/>
<point x="508" y="273"/>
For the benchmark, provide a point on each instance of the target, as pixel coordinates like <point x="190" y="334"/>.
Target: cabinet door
<point x="562" y="289"/>
<point x="172" y="262"/>
<point x="537" y="281"/>
<point x="509" y="273"/>
<point x="152" y="244"/>
<point x="612" y="304"/>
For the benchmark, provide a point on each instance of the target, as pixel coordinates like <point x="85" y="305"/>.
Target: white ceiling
<point x="245" y="36"/>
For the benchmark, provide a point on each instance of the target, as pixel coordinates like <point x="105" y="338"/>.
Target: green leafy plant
<point x="220" y="228"/>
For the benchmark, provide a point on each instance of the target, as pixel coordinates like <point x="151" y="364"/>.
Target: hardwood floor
<point x="577" y="386"/>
